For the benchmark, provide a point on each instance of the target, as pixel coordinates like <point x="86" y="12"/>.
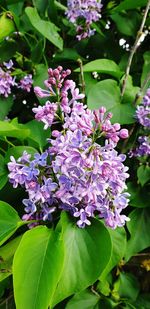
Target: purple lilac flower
<point x="146" y="98"/>
<point x="6" y="82"/>
<point x="83" y="179"/>
<point x="25" y="158"/>
<point x="73" y="114"/>
<point x="9" y="64"/>
<point x="143" y="148"/>
<point x="143" y="117"/>
<point x="143" y="111"/>
<point x="16" y="176"/>
<point x="75" y="173"/>
<point x="29" y="173"/>
<point x="59" y="87"/>
<point x="26" y="83"/>
<point x="83" y="218"/>
<point x="47" y="213"/>
<point x="82" y="13"/>
<point x="90" y="121"/>
<point x="46" y="113"/>
<point x="54" y="82"/>
<point x="95" y="178"/>
<point x="40" y="159"/>
<point x="30" y="206"/>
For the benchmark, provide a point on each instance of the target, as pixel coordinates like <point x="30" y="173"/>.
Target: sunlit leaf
<point x="37" y="268"/>
<point x="85" y="250"/>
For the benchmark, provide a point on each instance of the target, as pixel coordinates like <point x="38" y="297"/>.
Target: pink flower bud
<point x="102" y="110"/>
<point x="123" y="133"/>
<point x="50" y="72"/>
<point x="96" y="114"/>
<point x="109" y="115"/>
<point x="59" y="68"/>
<point x="41" y="93"/>
<point x="148" y="92"/>
<point x="56" y="73"/>
<point x="116" y="126"/>
<point x="55" y="133"/>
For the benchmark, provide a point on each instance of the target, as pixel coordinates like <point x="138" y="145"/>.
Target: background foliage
<point x="63" y="266"/>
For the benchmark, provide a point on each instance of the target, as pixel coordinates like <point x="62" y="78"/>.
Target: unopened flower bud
<point x="116" y="126"/>
<point x="55" y="133"/>
<point x="124" y="133"/>
<point x="102" y="110"/>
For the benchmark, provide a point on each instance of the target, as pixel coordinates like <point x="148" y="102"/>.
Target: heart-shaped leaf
<point x="107" y="93"/>
<point x="37" y="267"/>
<point x="87" y="252"/>
<point x="103" y="66"/>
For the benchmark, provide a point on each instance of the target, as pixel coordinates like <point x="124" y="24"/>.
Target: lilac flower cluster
<point x="26" y="83"/>
<point x="82" y="13"/>
<point x="143" y="111"/>
<point x="71" y="113"/>
<point x="75" y="173"/>
<point x="29" y="173"/>
<point x="143" y="148"/>
<point x="143" y="117"/>
<point x="7" y="81"/>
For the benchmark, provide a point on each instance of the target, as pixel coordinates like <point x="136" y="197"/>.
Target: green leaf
<point x="7" y="50"/>
<point x="40" y="5"/>
<point x="41" y="74"/>
<point x="38" y="134"/>
<point x="3" y="180"/>
<point x="13" y="1"/>
<point x="3" y="172"/>
<point x="118" y="239"/>
<point x="46" y="28"/>
<point x="146" y="68"/>
<point x="130" y="91"/>
<point x="5" y="106"/>
<point x="37" y="267"/>
<point x="37" y="51"/>
<point x="6" y="256"/>
<point x="139" y="196"/>
<point x="143" y="174"/>
<point x="127" y="23"/>
<point x="107" y="93"/>
<point x="103" y="66"/>
<point x="128" y="286"/>
<point x="16" y="8"/>
<point x="130" y="5"/>
<point x="17" y="152"/>
<point x="84" y="300"/>
<point x="11" y="130"/>
<point x="9" y="221"/>
<point x="52" y="11"/>
<point x="87" y="252"/>
<point x="138" y="227"/>
<point x="106" y="303"/>
<point x="7" y="25"/>
<point x="104" y="287"/>
<point x="90" y="81"/>
<point x="67" y="54"/>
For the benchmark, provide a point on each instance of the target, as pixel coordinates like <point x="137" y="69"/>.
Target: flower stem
<point x="135" y="47"/>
